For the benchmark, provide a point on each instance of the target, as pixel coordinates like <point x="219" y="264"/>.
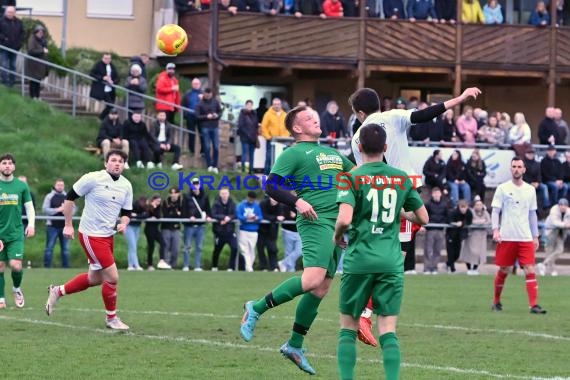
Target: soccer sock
<point x="390" y="355"/>
<point x="307" y="310"/>
<point x="77" y="284"/>
<point x="499" y="283"/>
<point x="346" y="353"/>
<point x="367" y="312"/>
<point x="531" y="288"/>
<point x="284" y="292"/>
<point x="17" y="278"/>
<point x="109" y="293"/>
<point x="2" y="285"/>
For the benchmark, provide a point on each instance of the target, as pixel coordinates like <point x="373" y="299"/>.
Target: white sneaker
<point x="230" y="270"/>
<point x="116" y="324"/>
<point x="159" y="165"/>
<point x="541" y="269"/>
<point x="281" y="266"/>
<point x="139" y="268"/>
<point x="53" y="296"/>
<point x="410" y="272"/>
<point x="176" y="166"/>
<point x="131" y="268"/>
<point x="198" y="270"/>
<point x="469" y="272"/>
<point x="19" y="298"/>
<point x="185" y="269"/>
<point x="140" y="165"/>
<point x="214" y="269"/>
<point x="434" y="272"/>
<point x="150" y="165"/>
<point x="127" y="167"/>
<point x="215" y="170"/>
<point x="554" y="273"/>
<point x="163" y="265"/>
<point x="150" y="268"/>
<point x="475" y="272"/>
<point x="210" y="168"/>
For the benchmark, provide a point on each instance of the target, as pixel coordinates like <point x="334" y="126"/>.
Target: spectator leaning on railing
<point x="105" y="76"/>
<point x="471" y="12"/>
<point x="11" y="36"/>
<point x="167" y="92"/>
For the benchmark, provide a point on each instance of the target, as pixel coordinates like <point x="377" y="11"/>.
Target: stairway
<point x="65" y="105"/>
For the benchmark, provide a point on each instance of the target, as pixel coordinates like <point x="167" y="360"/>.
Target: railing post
<point x="180" y="131"/>
<point x="74" y="96"/>
<point x="23" y="76"/>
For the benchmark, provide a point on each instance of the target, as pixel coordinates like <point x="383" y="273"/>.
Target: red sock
<point x="77" y="284"/>
<point x="499" y="283"/>
<point x="369" y="304"/>
<point x="109" y="292"/>
<point x="531" y="288"/>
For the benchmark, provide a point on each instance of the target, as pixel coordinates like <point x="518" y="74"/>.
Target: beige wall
<point x="126" y="37"/>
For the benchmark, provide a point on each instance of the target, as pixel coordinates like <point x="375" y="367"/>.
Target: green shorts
<point x="13" y="250"/>
<point x="386" y="290"/>
<point x="318" y="247"/>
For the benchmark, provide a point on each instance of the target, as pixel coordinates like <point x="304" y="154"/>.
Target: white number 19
<point x="389" y="198"/>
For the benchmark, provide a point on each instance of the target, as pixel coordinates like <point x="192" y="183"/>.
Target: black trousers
<point x="410" y="248"/>
<point x="153" y="235"/>
<point x="158" y="152"/>
<point x="236" y="261"/>
<point x="453" y="246"/>
<point x="35" y="88"/>
<point x="265" y="242"/>
<point x="109" y="99"/>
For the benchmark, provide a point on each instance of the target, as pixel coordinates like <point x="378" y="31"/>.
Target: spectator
<point x="162" y="141"/>
<point x="153" y="235"/>
<point x="224" y="212"/>
<point x="112" y="136"/>
<point x="493" y="12"/>
<point x="420" y="131"/>
<point x="533" y="176"/>
<point x="455" y="174"/>
<point x="309" y="7"/>
<point x="171" y="208"/>
<point x="261" y="109"/>
<point x="467" y="125"/>
<point x="491" y="133"/>
<point x="519" y="135"/>
<point x="36" y="70"/>
<point x="566" y="168"/>
<point x="413" y="103"/>
<point x="137" y="84"/>
<point x="446" y="11"/>
<point x="421" y="10"/>
<point x="190" y="101"/>
<point x="246" y="5"/>
<point x="208" y="112"/>
<point x="333" y="8"/>
<point x="394" y="9"/>
<point x="332" y="122"/>
<point x="460" y="218"/>
<point x="548" y="129"/>
<point x="401" y="103"/>
<point x="563" y="131"/>
<point x="505" y="123"/>
<point x="248" y="128"/>
<point x="350" y="8"/>
<point x="560" y="13"/>
<point x="196" y="208"/>
<point x="185" y="6"/>
<point x="105" y="76"/>
<point x="387" y="102"/>
<point x="142" y="60"/>
<point x="540" y="16"/>
<point x="481" y="116"/>
<point x="53" y="206"/>
<point x="267" y="238"/>
<point x="447" y="126"/>
<point x="167" y="92"/>
<point x="434" y="170"/>
<point x="140" y="140"/>
<point x="249" y="214"/>
<point x="273" y="125"/>
<point x="434" y="238"/>
<point x="556" y="224"/>
<point x="12" y="36"/>
<point x="205" y="5"/>
<point x="476" y="171"/>
<point x="472" y="13"/>
<point x="552" y="172"/>
<point x="291" y="241"/>
<point x="133" y="232"/>
<point x="474" y="250"/>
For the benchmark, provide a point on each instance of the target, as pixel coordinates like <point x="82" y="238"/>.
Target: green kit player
<point x="312" y="171"/>
<point x="370" y="200"/>
<point x="13" y="194"/>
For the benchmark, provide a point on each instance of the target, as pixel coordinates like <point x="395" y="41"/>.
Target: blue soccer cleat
<point x="248" y="321"/>
<point x="297" y="356"/>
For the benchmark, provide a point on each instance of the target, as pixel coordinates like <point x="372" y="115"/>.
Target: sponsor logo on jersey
<point x="8" y="199"/>
<point x="329" y="161"/>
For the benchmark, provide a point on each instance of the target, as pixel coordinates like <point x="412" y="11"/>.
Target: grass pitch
<point x="186" y="325"/>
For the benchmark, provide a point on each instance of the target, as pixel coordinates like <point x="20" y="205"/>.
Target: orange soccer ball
<point x="171" y="39"/>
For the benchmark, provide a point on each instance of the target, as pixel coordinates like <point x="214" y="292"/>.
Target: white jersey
<point x="104" y="199"/>
<point x="515" y="203"/>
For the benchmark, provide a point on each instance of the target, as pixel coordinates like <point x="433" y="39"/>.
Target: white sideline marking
<point x="181" y="339"/>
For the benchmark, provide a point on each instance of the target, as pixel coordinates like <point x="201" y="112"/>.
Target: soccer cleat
<point x="365" y="334"/>
<point x="19" y="298"/>
<point x="2" y="303"/>
<point x="536" y="309"/>
<point x="53" y="296"/>
<point x="297" y="356"/>
<point x="497" y="307"/>
<point x="248" y="321"/>
<point x="116" y="324"/>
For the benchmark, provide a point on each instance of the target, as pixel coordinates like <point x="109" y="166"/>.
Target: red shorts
<point x="509" y="251"/>
<point x="99" y="251"/>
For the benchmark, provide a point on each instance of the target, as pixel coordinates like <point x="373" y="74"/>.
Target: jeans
<point x="293" y="249"/>
<point x="211" y="136"/>
<point x="542" y="193"/>
<point x="197" y="234"/>
<point x="555" y="192"/>
<point x="268" y="262"/>
<point x="132" y="235"/>
<point x="171" y="244"/>
<point x="52" y="234"/>
<point x="454" y="192"/>
<point x="247" y="152"/>
<point x="268" y="155"/>
<point x="8" y="62"/>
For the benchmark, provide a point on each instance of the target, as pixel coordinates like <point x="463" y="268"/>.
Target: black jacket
<point x="287" y="213"/>
<point x="459" y="233"/>
<point x="155" y="131"/>
<point x="190" y="209"/>
<point x="453" y="172"/>
<point x="309" y="7"/>
<point x="446" y="9"/>
<point x="533" y="172"/>
<point x="475" y="175"/>
<point x="270" y="213"/>
<point x="247" y="126"/>
<point x="136" y="131"/>
<point x="438" y="213"/>
<point x="448" y="130"/>
<point x="12" y="33"/>
<point x="205" y="107"/>
<point x="332" y="124"/>
<point x="434" y="171"/>
<point x="219" y="211"/>
<point x="551" y="169"/>
<point x="546" y="128"/>
<point x="171" y="209"/>
<point x="98" y="71"/>
<point x="109" y="130"/>
<point x="139" y="213"/>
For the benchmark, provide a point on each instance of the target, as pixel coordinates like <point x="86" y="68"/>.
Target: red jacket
<point x="332" y="9"/>
<point x="164" y="92"/>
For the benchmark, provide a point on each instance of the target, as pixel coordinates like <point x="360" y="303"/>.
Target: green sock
<point x="390" y="355"/>
<point x="346" y="353"/>
<point x="17" y="278"/>
<point x="284" y="292"/>
<point x="305" y="314"/>
<point x="2" y="285"/>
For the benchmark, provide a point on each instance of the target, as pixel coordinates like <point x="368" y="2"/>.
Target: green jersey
<point x="13" y="195"/>
<point x="377" y="192"/>
<point x="312" y="170"/>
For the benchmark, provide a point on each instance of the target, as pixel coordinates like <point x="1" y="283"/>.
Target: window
<point x="110" y="8"/>
<point x="42" y="7"/>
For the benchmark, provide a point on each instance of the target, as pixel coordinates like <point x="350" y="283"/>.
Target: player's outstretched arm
<point x="434" y="111"/>
<point x="471" y="92"/>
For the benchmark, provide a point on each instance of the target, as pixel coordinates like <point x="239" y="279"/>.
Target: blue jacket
<point x="420" y="9"/>
<point x="394" y="7"/>
<point x="536" y="18"/>
<point x="191" y="99"/>
<point x="493" y="16"/>
<point x="243" y="210"/>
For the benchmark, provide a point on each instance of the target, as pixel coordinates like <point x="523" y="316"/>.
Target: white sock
<point x="14" y="290"/>
<point x="367" y="313"/>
